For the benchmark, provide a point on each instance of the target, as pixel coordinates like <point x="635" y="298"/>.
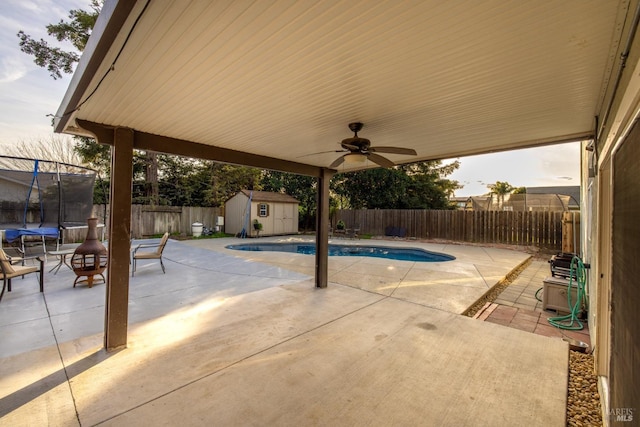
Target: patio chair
<point x="8" y="271"/>
<point x="157" y="254"/>
<point x="354" y="233"/>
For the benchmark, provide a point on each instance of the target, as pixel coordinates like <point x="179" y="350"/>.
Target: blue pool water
<point x="402" y="254"/>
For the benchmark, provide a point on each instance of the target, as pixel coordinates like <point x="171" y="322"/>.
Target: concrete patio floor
<point x="243" y="338"/>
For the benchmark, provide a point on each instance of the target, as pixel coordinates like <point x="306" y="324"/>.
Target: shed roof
<point x="268" y="196"/>
<point x="282" y="79"/>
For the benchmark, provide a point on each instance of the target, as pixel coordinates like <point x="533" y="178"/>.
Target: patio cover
<point x="274" y="84"/>
<point x="283" y="79"/>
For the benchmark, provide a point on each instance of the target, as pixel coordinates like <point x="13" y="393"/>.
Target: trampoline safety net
<point x="39" y="193"/>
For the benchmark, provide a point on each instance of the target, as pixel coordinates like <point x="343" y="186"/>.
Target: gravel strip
<point x="583" y="400"/>
<point x="497" y="289"/>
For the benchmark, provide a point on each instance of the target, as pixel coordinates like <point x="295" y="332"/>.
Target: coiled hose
<point x="571" y="321"/>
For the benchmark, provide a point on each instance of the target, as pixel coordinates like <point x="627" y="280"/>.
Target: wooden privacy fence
<point x="155" y="220"/>
<point x="541" y="229"/>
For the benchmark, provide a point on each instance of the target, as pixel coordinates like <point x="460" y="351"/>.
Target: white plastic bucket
<point x="196" y="229"/>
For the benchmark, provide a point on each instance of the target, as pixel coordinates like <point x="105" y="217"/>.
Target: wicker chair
<point x="157" y="254"/>
<point x="8" y="271"/>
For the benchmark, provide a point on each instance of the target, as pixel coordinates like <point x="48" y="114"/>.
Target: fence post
<point x="569" y="236"/>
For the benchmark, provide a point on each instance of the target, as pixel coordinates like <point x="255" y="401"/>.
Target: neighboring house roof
<point x="460" y="202"/>
<point x="17" y="177"/>
<point x="459" y="198"/>
<point x="268" y="196"/>
<point x="15" y="186"/>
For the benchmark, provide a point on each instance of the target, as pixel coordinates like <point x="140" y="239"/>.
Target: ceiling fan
<point x="359" y="150"/>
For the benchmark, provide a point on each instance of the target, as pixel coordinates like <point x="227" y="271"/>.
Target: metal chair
<point x="352" y="233"/>
<point x="8" y="271"/>
<point x="157" y="254"/>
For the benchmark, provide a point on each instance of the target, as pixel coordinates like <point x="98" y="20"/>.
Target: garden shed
<point x="277" y="212"/>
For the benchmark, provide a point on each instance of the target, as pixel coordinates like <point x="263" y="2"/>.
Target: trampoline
<point x="40" y="198"/>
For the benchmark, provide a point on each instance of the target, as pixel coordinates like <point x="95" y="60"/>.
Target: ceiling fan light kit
<point x="359" y="150"/>
<point x="354" y="158"/>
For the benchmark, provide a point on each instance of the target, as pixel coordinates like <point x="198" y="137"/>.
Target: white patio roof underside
<point x="284" y="78"/>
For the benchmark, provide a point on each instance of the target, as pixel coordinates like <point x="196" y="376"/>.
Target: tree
<point x="204" y="182"/>
<point x="225" y="180"/>
<point x="151" y="174"/>
<point x="500" y="189"/>
<point x="99" y="158"/>
<point x="378" y="188"/>
<point x="76" y="31"/>
<point x="176" y="186"/>
<point x="57" y="148"/>
<point x="429" y="188"/>
<point x="420" y="185"/>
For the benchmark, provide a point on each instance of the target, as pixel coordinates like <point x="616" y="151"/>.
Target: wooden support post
<point x="322" y="230"/>
<point x="117" y="298"/>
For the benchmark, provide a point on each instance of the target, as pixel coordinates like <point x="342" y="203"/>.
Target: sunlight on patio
<point x="180" y="325"/>
<point x="153" y="339"/>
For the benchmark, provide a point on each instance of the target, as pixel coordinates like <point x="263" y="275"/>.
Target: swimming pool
<point x="402" y="254"/>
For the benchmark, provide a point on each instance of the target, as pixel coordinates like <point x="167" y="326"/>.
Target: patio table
<point x="61" y="255"/>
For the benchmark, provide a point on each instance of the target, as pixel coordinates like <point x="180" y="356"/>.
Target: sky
<point x="554" y="165"/>
<point x="28" y="94"/>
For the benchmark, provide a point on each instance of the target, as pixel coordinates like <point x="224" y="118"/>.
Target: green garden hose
<point x="571" y="321"/>
<point x="537" y="292"/>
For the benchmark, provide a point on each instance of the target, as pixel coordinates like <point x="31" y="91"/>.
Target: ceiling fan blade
<point x="393" y="150"/>
<point x="351" y="147"/>
<point x="382" y="161"/>
<point x="322" y="152"/>
<point x="337" y="162"/>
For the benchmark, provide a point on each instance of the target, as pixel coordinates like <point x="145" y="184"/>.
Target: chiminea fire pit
<point x="90" y="258"/>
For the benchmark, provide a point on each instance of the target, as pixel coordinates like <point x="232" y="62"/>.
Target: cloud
<point x="12" y="68"/>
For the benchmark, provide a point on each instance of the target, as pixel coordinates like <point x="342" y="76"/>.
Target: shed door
<point x="283" y="218"/>
<point x="288" y="218"/>
<point x="278" y="218"/>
